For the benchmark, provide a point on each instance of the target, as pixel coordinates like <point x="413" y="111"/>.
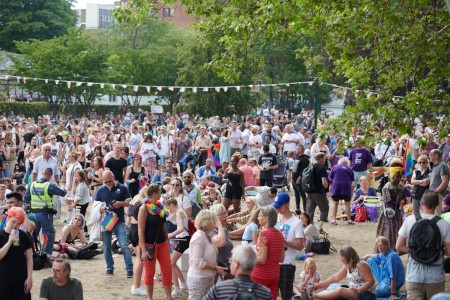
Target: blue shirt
<point x="202" y="171"/>
<point x="391" y="266"/>
<point x="118" y="193"/>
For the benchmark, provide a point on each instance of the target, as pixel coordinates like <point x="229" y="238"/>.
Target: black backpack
<point x="88" y="251"/>
<point x="243" y="293"/>
<point x="425" y="245"/>
<point x="308" y="183"/>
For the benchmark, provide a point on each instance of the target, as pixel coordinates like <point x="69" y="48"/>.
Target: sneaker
<point x="129" y="274"/>
<point x="350" y="222"/>
<point x="322" y="232"/>
<point x="86" y="234"/>
<point x="64" y="221"/>
<point x="333" y="222"/>
<point x="176" y="293"/>
<point x="140" y="291"/>
<point x="183" y="286"/>
<point x="109" y="272"/>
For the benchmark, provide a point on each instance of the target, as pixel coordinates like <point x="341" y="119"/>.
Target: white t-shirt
<point x="291" y="229"/>
<point x="253" y="139"/>
<point x="164" y="142"/>
<point x="234" y="138"/>
<point x="289" y="146"/>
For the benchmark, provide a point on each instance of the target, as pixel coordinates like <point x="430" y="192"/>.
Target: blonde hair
<point x="309" y="262"/>
<point x="205" y="219"/>
<point x="140" y="196"/>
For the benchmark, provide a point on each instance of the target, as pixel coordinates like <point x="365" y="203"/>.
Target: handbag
<point x="151" y="248"/>
<point x="3" y="165"/>
<point x="361" y="214"/>
<point x="322" y="245"/>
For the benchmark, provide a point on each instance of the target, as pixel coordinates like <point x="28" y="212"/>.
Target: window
<point x="168" y="12"/>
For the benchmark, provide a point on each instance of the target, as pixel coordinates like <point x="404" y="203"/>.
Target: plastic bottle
<point x="16" y="241"/>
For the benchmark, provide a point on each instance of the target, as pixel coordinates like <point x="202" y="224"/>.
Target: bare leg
<point x="150" y="291"/>
<point x="177" y="275"/>
<point x="138" y="267"/>
<point x="226" y="203"/>
<point x="167" y="291"/>
<point x="336" y="294"/>
<point x="348" y="210"/>
<point x="236" y="205"/>
<point x="335" y="209"/>
<point x="237" y="234"/>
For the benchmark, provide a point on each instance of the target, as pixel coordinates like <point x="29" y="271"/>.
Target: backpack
<point x="243" y="294"/>
<point x="308" y="183"/>
<point x="425" y="245"/>
<point x="88" y="251"/>
<point x="191" y="227"/>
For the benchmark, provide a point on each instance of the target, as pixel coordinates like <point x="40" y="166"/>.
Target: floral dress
<point x="355" y="280"/>
<point x="393" y="197"/>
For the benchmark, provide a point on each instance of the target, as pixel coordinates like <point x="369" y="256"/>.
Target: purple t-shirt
<point x="359" y="159"/>
<point x="342" y="178"/>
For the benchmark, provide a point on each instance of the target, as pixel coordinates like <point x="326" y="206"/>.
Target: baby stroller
<point x="279" y="174"/>
<point x="19" y="173"/>
<point x="191" y="157"/>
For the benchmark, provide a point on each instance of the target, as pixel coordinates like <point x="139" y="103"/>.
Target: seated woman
<point x="363" y="191"/>
<point x="311" y="232"/>
<point x="387" y="268"/>
<point x="242" y="217"/>
<point x="359" y="275"/>
<point x="70" y="233"/>
<point x="250" y="235"/>
<point x="211" y="195"/>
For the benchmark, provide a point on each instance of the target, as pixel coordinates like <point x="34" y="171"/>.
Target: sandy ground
<point x="98" y="286"/>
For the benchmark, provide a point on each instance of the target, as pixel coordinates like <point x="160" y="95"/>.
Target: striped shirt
<point x="224" y="289"/>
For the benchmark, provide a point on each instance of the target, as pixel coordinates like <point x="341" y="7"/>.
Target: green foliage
<point x="32" y="109"/>
<point x="103" y="110"/>
<point x="23" y="20"/>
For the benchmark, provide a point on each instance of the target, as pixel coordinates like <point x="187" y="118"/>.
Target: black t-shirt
<point x="302" y="163"/>
<point x="13" y="267"/>
<point x="28" y="136"/>
<point x="266" y="161"/>
<point x="116" y="166"/>
<point x="320" y="171"/>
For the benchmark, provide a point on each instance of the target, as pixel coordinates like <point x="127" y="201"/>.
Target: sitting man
<point x="242" y="262"/>
<point x="266" y="195"/>
<point x="387" y="268"/>
<point x="60" y="285"/>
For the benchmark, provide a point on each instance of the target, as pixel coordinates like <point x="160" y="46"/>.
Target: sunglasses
<point x="422" y="162"/>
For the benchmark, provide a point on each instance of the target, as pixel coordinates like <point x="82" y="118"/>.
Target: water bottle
<point x="16" y="241"/>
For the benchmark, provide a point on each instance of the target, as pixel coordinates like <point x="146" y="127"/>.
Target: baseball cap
<point x="281" y="199"/>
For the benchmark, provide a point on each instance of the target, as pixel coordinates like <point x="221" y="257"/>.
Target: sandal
<point x="333" y="222"/>
<point x="350" y="222"/>
<point x="322" y="232"/>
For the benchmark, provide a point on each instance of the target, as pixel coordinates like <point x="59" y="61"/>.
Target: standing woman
<point x="181" y="196"/>
<point x="4" y="154"/>
<point x="82" y="195"/>
<point x="182" y="244"/>
<point x="270" y="250"/>
<point x="148" y="149"/>
<point x="221" y="238"/>
<point x="136" y="175"/>
<point x="96" y="175"/>
<point x="12" y="160"/>
<point x="225" y="149"/>
<point x="151" y="218"/>
<point x="82" y="156"/>
<point x="341" y="177"/>
<point x="16" y="261"/>
<point x="69" y="170"/>
<point x="421" y="181"/>
<point x="394" y="198"/>
<point x="133" y="237"/>
<point x="203" y="256"/>
<point x="235" y="185"/>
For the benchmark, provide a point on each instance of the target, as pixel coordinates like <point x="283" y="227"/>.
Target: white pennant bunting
<point x="217" y="88"/>
<point x="159" y="88"/>
<point x="194" y="89"/>
<point x="136" y="88"/>
<point x="90" y="84"/>
<point x="149" y="88"/>
<point x="57" y="81"/>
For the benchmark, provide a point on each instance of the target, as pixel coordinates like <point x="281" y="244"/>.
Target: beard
<point x="187" y="182"/>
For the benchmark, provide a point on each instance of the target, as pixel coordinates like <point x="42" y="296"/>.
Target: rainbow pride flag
<point x="407" y="160"/>
<point x="110" y="221"/>
<point x="2" y="221"/>
<point x="379" y="173"/>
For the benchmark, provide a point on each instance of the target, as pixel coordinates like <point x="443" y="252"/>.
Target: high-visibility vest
<point x="39" y="195"/>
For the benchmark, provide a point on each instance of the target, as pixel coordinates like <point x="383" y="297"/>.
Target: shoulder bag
<point x="151" y="248"/>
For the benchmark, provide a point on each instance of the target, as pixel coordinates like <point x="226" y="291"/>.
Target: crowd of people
<point x="149" y="179"/>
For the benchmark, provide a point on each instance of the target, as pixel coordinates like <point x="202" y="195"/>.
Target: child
<point x="189" y="167"/>
<point x="308" y="277"/>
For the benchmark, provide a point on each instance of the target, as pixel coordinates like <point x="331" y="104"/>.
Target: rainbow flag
<point x="44" y="244"/>
<point x="378" y="173"/>
<point x="110" y="221"/>
<point x="2" y="221"/>
<point x="407" y="160"/>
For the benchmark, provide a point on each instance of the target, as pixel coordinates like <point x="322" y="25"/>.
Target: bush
<point x="32" y="109"/>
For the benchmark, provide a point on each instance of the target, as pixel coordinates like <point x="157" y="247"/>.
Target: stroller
<point x="279" y="175"/>
<point x="191" y="157"/>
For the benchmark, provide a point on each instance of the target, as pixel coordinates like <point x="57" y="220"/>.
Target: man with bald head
<point x="115" y="197"/>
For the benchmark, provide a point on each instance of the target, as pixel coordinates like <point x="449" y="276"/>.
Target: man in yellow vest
<point x="39" y="196"/>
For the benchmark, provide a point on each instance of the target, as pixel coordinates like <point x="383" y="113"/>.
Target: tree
<point x="73" y="57"/>
<point x="381" y="48"/>
<point x="22" y="20"/>
<point x="195" y="73"/>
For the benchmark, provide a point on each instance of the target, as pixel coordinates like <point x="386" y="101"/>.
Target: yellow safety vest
<point x="39" y="195"/>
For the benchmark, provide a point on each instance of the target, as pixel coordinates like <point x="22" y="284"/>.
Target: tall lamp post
<point x="316" y="103"/>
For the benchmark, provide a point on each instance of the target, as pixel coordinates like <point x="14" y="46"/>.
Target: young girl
<point x="82" y="195"/>
<point x="308" y="277"/>
<point x="250" y="235"/>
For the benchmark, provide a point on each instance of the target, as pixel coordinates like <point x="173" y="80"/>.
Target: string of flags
<point x="183" y="89"/>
